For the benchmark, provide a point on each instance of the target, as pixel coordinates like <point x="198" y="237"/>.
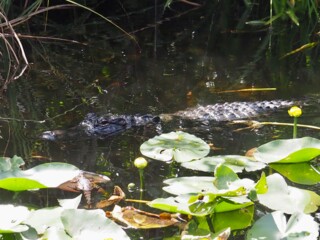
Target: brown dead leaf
<point x="135" y="218"/>
<point x="116" y="197"/>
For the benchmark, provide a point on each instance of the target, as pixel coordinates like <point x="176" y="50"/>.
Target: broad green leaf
<point x="56" y="233"/>
<point x="184" y="185"/>
<point x="20" y="184"/>
<point x="224" y="176"/>
<point x="42" y="176"/>
<point x="236" y="162"/>
<point x="10" y="164"/>
<point x="289" y="150"/>
<point x="52" y="174"/>
<point x="288" y="199"/>
<point x="44" y="219"/>
<point x="274" y="226"/>
<point x="178" y="146"/>
<point x="177" y="204"/>
<point x="302" y="173"/>
<point x="204" y="204"/>
<point x="232" y="204"/>
<point x="84" y="224"/>
<point x="198" y="229"/>
<point x="76" y="223"/>
<point x="11" y="218"/>
<point x="262" y="187"/>
<point x="236" y="219"/>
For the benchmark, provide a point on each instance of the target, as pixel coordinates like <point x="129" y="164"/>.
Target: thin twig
<point x="40" y="121"/>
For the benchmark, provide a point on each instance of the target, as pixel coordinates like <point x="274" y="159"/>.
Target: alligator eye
<point x="156" y="119"/>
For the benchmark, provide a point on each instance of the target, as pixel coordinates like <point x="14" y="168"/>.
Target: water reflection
<point x="71" y="81"/>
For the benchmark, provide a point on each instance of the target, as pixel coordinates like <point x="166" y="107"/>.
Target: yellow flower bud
<point x="295" y="111"/>
<point x="140" y="162"/>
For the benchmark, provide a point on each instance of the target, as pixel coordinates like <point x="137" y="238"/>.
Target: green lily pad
<point x="200" y="205"/>
<point x="289" y="150"/>
<point x="177" y="204"/>
<point x="302" y="173"/>
<point x="236" y="219"/>
<point x="199" y="229"/>
<point x="42" y="176"/>
<point x="288" y="199"/>
<point x="184" y="185"/>
<point x="178" y="146"/>
<point x="65" y="224"/>
<point x="236" y="162"/>
<point x="11" y="218"/>
<point x="44" y="219"/>
<point x="84" y="224"/>
<point x="274" y="226"/>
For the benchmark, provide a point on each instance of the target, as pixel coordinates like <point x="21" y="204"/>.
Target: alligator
<point x="110" y="124"/>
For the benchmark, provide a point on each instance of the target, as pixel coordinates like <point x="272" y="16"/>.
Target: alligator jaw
<point x="52" y="135"/>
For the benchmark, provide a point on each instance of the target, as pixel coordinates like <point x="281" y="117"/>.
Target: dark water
<point x="67" y="81"/>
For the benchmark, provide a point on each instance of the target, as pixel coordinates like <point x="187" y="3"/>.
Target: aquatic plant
<point x="295" y="112"/>
<point x="216" y="205"/>
<point x="227" y="201"/>
<point x="141" y="163"/>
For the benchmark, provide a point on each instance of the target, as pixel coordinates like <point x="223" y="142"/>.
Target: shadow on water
<point x="113" y="76"/>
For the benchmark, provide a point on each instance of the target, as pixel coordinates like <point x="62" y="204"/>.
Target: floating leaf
<point x="177" y="204"/>
<point x="178" y="146"/>
<point x="235" y="162"/>
<point x="262" y="187"/>
<point x="84" y="224"/>
<point x="289" y="150"/>
<point x="19" y="184"/>
<point x="42" y="176"/>
<point x="80" y="224"/>
<point x="274" y="226"/>
<point x="44" y="219"/>
<point x="302" y="173"/>
<point x="184" y="185"/>
<point x="208" y="203"/>
<point x="11" y="218"/>
<point x="224" y="176"/>
<point x="288" y="199"/>
<point x="227" y="180"/>
<point x="116" y="197"/>
<point x="235" y="219"/>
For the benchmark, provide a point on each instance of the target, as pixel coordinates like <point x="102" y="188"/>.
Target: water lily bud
<point x="131" y="187"/>
<point x="295" y="111"/>
<point x="140" y="163"/>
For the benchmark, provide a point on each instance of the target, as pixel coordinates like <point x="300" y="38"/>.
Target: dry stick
<point x="25" y="18"/>
<point x="256" y="124"/>
<point x="137" y="201"/>
<point x="8" y="45"/>
<point x="41" y="121"/>
<point x="105" y="18"/>
<point x="191" y="3"/>
<point x="164" y="20"/>
<point x="20" y="45"/>
<point x="9" y="49"/>
<point x="45" y="38"/>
